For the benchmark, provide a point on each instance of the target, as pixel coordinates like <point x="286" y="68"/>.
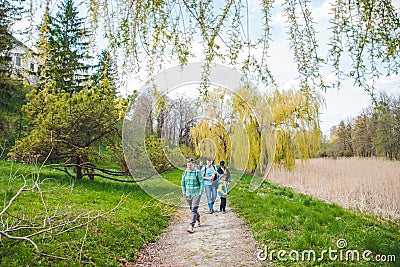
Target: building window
<point x="18" y="61"/>
<point x="32" y="67"/>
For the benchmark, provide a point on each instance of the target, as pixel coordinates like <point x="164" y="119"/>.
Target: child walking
<point x="223" y="192"/>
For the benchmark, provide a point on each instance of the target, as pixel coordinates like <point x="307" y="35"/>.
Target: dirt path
<point x="222" y="240"/>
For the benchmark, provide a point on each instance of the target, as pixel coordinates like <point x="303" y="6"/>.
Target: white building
<point x="23" y="62"/>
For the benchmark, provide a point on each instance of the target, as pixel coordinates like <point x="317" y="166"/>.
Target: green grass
<point x="174" y="177"/>
<point x="283" y="220"/>
<point x="139" y="219"/>
<point x="279" y="219"/>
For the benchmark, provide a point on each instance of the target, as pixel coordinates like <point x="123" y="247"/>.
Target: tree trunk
<point x="78" y="169"/>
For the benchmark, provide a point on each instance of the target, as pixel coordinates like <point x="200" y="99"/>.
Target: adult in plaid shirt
<point x="192" y="188"/>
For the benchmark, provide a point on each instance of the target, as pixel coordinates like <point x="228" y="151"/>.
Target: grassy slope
<point x="283" y="220"/>
<point x="137" y="221"/>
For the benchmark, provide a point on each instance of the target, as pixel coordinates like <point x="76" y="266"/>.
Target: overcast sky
<point x="340" y="104"/>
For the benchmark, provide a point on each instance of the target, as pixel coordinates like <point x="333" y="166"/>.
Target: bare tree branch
<point x="105" y="173"/>
<point x="11" y="230"/>
<point x="22" y="189"/>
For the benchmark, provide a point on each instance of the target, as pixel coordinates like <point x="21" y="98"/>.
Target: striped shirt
<point x="192" y="185"/>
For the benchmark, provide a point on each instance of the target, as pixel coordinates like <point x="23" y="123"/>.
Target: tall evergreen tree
<point x="68" y="40"/>
<point x="105" y="69"/>
<point x="12" y="94"/>
<point x="9" y="13"/>
<point x="44" y="49"/>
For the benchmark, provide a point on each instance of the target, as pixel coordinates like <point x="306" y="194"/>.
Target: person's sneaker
<point x="211" y="212"/>
<point x="223" y="212"/>
<point x="198" y="224"/>
<point x="190" y="229"/>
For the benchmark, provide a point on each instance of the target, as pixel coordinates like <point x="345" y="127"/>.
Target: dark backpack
<point x="205" y="169"/>
<point x="215" y="181"/>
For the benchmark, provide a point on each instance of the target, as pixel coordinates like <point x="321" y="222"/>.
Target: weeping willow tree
<point x="212" y="140"/>
<point x="296" y="123"/>
<point x="235" y="127"/>
<point x="211" y="135"/>
<point x="247" y="129"/>
<point x="293" y="116"/>
<point x="293" y="119"/>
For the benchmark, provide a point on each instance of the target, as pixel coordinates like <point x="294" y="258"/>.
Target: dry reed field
<point x="369" y="184"/>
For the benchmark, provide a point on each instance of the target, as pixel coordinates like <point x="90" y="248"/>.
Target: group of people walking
<point x="196" y="179"/>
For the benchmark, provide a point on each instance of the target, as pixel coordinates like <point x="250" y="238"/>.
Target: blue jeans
<point x="211" y="193"/>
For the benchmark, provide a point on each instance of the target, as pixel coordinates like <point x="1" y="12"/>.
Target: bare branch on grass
<point x="105" y="173"/>
<point x="12" y="231"/>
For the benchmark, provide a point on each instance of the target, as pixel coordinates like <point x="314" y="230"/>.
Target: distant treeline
<point x="375" y="132"/>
